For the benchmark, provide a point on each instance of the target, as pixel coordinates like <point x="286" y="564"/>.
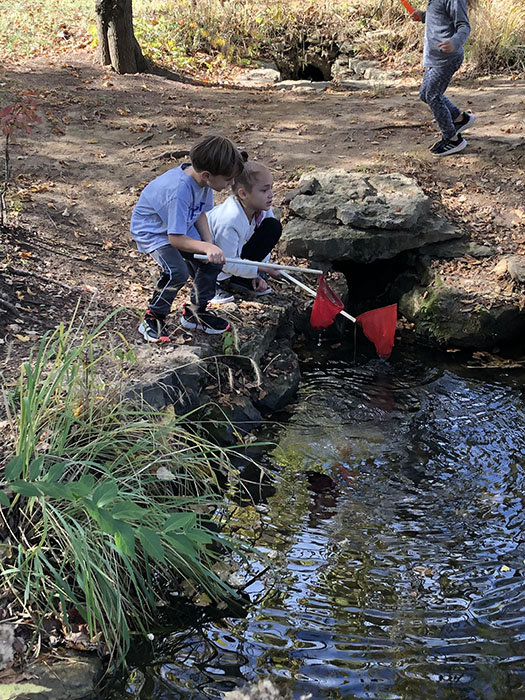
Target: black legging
<point x="263" y="240"/>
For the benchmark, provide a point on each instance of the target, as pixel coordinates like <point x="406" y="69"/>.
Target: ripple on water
<point x="403" y="573"/>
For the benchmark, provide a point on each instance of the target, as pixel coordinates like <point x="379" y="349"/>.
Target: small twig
<point x="9" y="307"/>
<point x="52" y="220"/>
<point x="144" y="139"/>
<point x="397" y="126"/>
<point x="272" y="360"/>
<point x="29" y="273"/>
<point x="174" y="154"/>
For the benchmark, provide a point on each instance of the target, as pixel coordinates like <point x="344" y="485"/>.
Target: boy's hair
<point x="217" y="155"/>
<point x="248" y="177"/>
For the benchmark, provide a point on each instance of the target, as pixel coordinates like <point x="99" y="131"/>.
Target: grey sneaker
<point x="152" y="329"/>
<point x="221" y="296"/>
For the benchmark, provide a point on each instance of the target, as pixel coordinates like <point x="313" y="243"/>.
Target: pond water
<point x="396" y="540"/>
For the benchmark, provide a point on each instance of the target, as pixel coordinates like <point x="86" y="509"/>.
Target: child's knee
<point x="434" y="100"/>
<point x="213" y="268"/>
<point x="272" y="230"/>
<point x="179" y="276"/>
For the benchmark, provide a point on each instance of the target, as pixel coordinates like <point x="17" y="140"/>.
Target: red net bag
<point x="379" y="326"/>
<point x="326" y="306"/>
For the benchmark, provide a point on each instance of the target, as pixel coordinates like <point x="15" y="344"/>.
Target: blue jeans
<point x="176" y="267"/>
<point x="435" y="81"/>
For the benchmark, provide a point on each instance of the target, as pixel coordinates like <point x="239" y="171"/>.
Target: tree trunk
<point x="116" y="40"/>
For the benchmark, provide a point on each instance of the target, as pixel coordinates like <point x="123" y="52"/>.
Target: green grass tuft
<point x="104" y="507"/>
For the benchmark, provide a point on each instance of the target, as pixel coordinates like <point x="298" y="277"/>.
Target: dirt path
<point x="105" y="136"/>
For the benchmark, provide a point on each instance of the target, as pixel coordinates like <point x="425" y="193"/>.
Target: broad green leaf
<point x="14" y="468"/>
<point x="4" y="499"/>
<point x="35" y="468"/>
<point x="125" y="539"/>
<point x="103" y="519"/>
<point x="184" y="546"/>
<point x="199" y="536"/>
<point x="180" y="521"/>
<point x="105" y="493"/>
<point x="55" y="472"/>
<point x="84" y="486"/>
<point x="127" y="509"/>
<point x="58" y="491"/>
<point x="25" y="488"/>
<point x="151" y="543"/>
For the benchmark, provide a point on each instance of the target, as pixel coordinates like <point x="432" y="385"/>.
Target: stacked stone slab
<point x="343" y="216"/>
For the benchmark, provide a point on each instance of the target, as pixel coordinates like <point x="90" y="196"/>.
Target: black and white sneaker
<point x="467" y="120"/>
<point x="205" y="321"/>
<point x="152" y="328"/>
<point x="448" y="146"/>
<point x="222" y="296"/>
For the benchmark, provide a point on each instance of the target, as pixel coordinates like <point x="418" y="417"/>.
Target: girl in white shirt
<point x="244" y="227"/>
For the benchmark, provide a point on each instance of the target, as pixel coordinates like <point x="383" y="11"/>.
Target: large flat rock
<point x="328" y="241"/>
<point x="391" y="201"/>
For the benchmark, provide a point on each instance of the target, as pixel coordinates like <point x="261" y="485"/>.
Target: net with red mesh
<point x="326" y="306"/>
<point x="379" y="325"/>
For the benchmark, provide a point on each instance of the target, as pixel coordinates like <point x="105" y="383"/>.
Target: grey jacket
<point x="445" y="19"/>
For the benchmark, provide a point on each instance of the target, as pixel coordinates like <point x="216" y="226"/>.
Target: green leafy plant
<point x="105" y="506"/>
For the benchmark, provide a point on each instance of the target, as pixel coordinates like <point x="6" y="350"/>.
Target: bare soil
<point x="77" y="177"/>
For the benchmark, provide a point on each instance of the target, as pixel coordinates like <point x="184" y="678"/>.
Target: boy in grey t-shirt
<point x="447" y="29"/>
<point x="169" y="223"/>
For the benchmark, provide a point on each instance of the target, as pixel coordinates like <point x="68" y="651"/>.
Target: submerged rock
<point x="263" y="690"/>
<point x="72" y="677"/>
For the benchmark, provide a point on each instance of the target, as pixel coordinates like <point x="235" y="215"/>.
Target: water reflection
<point x="399" y="528"/>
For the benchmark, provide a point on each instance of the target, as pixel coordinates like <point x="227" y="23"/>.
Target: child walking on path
<point x="169" y="222"/>
<point x="447" y="29"/>
<point x="244" y="227"/>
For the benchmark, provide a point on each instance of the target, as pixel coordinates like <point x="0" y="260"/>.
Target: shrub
<point x="204" y="34"/>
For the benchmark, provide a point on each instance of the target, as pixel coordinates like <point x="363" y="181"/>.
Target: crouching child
<point x="244" y="227"/>
<point x="169" y="223"/>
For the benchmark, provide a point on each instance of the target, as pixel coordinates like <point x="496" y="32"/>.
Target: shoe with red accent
<point x="152" y="328"/>
<point x="205" y="321"/>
